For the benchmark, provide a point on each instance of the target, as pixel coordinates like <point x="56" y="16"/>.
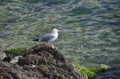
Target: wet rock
<point x="113" y="73"/>
<point x="40" y="62"/>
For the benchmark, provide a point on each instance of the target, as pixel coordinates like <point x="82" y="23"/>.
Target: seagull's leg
<point x="51" y="45"/>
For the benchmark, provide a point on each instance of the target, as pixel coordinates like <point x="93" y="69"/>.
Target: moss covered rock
<point x="14" y="52"/>
<point x="91" y="72"/>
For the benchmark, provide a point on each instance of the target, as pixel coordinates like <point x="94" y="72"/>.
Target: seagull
<point x="49" y="37"/>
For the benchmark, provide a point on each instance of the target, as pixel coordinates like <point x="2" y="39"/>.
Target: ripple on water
<point x="90" y="34"/>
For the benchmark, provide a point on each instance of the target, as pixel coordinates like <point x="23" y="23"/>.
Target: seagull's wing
<point x="47" y="37"/>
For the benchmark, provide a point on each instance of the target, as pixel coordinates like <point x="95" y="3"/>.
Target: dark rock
<point x="40" y="62"/>
<point x="8" y="58"/>
<point x="113" y="73"/>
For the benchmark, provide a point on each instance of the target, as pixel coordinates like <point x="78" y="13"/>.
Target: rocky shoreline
<point x="40" y="62"/>
<point x="45" y="62"/>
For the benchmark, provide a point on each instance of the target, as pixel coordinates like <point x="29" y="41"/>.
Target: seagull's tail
<point x="36" y="40"/>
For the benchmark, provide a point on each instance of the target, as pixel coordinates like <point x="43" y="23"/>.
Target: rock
<point x="2" y="56"/>
<point x="40" y="62"/>
<point x="8" y="58"/>
<point x="15" y="59"/>
<point x="112" y="73"/>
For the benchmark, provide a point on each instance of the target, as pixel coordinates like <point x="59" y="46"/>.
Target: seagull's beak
<point x="59" y="30"/>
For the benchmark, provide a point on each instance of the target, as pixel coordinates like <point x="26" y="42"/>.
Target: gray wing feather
<point x="47" y="37"/>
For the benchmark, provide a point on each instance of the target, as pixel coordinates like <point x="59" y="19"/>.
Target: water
<point x="90" y="29"/>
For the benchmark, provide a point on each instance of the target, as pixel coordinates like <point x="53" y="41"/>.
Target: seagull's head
<point x="55" y="30"/>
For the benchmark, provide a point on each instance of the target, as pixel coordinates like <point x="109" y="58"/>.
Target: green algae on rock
<point x="14" y="52"/>
<point x="91" y="72"/>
